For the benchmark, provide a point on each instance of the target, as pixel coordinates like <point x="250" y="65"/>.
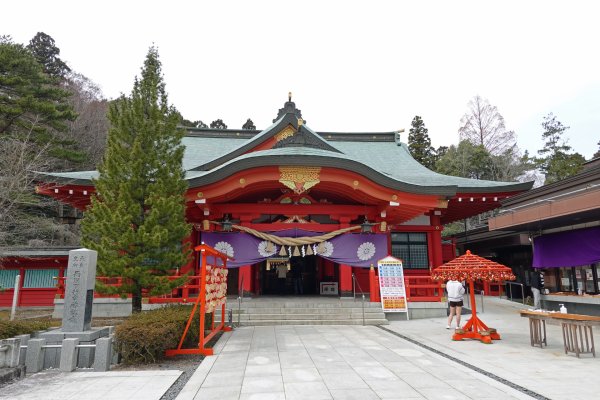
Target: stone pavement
<point x="353" y="362"/>
<point x="333" y="362"/>
<point x="113" y="385"/>
<point x="548" y="371"/>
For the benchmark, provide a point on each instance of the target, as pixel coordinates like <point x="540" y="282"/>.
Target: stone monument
<point x="79" y="297"/>
<point x="77" y="316"/>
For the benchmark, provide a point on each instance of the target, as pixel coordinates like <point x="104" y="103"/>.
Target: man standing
<point x="536" y="285"/>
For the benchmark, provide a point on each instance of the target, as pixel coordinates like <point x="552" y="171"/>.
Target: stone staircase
<point x="300" y="310"/>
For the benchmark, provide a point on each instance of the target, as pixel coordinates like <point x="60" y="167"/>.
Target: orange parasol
<point x="470" y="267"/>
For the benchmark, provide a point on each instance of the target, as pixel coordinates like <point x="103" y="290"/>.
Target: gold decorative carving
<point x="394" y="197"/>
<point x="285" y="133"/>
<point x="356" y="183"/>
<point x="299" y="179"/>
<point x="242" y="181"/>
<point x="200" y="194"/>
<point x="442" y="204"/>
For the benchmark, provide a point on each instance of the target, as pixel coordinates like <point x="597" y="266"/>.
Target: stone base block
<point x="420" y="310"/>
<point x="102" y="307"/>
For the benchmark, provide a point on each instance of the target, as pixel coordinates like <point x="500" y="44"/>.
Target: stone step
<point x="273" y="304"/>
<point x="315" y="322"/>
<point x="273" y="310"/>
<point x="255" y="317"/>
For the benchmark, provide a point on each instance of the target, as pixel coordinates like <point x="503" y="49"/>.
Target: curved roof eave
<point x="329" y="159"/>
<point x="82" y="178"/>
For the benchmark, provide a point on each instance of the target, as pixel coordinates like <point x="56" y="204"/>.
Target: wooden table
<point x="575" y="329"/>
<point x="537" y="326"/>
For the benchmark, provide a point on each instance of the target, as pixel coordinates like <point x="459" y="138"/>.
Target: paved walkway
<point x="333" y="362"/>
<point x="353" y="362"/>
<point x="548" y="371"/>
<point x="113" y="385"/>
<point x="347" y="362"/>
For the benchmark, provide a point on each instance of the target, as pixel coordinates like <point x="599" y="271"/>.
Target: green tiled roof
<point x="210" y="158"/>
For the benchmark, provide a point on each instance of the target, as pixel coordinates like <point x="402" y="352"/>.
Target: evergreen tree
<point x="419" y="143"/>
<point x="555" y="161"/>
<point x="249" y="125"/>
<point x="136" y="220"/>
<point x="597" y="154"/>
<point x="466" y="160"/>
<point x="30" y="102"/>
<point x="218" y="124"/>
<point x="44" y="49"/>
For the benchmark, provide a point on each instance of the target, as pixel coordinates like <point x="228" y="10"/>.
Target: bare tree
<point x="90" y="128"/>
<point x="483" y="125"/>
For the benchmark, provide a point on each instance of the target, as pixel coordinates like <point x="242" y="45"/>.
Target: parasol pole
<point x="472" y="297"/>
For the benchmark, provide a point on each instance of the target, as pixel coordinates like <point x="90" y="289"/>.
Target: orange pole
<point x="202" y="295"/>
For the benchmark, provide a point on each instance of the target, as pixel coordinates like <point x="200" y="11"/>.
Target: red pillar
<point x="373" y="286"/>
<point x="245" y="278"/>
<point x="345" y="280"/>
<point x="436" y="242"/>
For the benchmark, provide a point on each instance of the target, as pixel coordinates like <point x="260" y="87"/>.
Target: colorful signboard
<point x="391" y="285"/>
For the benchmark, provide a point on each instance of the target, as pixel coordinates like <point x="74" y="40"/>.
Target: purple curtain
<point x="359" y="250"/>
<point x="567" y="249"/>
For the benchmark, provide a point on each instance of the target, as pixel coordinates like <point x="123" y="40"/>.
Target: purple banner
<point x="358" y="250"/>
<point x="567" y="249"/>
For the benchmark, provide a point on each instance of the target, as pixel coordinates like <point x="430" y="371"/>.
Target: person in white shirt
<point x="455" y="291"/>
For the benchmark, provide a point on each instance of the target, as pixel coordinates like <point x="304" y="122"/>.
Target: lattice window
<point x="7" y="278"/>
<point x="40" y="278"/>
<point x="411" y="248"/>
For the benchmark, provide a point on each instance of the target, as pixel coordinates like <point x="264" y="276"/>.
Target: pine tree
<point x="419" y="143"/>
<point x="249" y="125"/>
<point x="597" y="154"/>
<point x="44" y="49"/>
<point x="136" y="220"/>
<point x="556" y="162"/>
<point x="218" y="124"/>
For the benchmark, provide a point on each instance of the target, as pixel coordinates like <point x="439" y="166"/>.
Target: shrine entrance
<point x="290" y="276"/>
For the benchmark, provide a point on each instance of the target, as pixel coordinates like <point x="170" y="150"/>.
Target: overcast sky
<point x="352" y="66"/>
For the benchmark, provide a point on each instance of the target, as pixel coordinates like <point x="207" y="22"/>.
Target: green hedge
<point x="144" y="337"/>
<point x="10" y="329"/>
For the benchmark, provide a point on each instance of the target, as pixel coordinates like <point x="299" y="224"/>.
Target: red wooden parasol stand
<point x="471" y="267"/>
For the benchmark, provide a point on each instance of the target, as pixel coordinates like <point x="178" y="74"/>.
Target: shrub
<point x="144" y="337"/>
<point x="10" y="329"/>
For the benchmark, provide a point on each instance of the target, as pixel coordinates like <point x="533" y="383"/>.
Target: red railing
<point x="186" y="293"/>
<point x="419" y="288"/>
<point x="423" y="288"/>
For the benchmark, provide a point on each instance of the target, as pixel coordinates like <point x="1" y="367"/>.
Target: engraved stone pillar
<point x="81" y="279"/>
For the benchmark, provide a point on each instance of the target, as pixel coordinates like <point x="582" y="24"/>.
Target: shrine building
<point x="289" y="202"/>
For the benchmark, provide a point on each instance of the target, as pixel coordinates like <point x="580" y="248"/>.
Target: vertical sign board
<point x="391" y="285"/>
